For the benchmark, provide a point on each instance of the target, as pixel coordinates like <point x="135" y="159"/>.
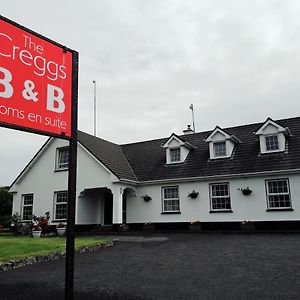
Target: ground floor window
<point x="27" y="207"/>
<point x="220" y="197"/>
<point x="278" y="193"/>
<point x="170" y="197"/>
<point x="60" y="205"/>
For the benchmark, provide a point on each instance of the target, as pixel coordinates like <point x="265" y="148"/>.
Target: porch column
<point x="117" y="205"/>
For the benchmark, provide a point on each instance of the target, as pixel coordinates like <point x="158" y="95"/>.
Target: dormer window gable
<point x="221" y="144"/>
<point x="177" y="149"/>
<point x="272" y="137"/>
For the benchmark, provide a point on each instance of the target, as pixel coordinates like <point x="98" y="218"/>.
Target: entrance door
<point x="108" y="208"/>
<point x="124" y="207"/>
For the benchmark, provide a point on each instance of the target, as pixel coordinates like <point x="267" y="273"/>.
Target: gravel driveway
<point x="171" y="266"/>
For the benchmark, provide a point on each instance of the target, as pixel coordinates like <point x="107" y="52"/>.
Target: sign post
<point x="39" y="94"/>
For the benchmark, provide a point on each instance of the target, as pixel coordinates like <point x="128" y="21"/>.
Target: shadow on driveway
<point x="171" y="266"/>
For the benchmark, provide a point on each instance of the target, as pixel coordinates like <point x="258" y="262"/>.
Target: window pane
<point x="61" y="211"/>
<point x="272" y="142"/>
<point x="63" y="158"/>
<point x="171" y="205"/>
<point x="175" y="154"/>
<point x="220" y="190"/>
<point x="221" y="203"/>
<point x="277" y="186"/>
<point x="279" y="201"/>
<point x="28" y="199"/>
<point x="62" y="197"/>
<point x="220" y="149"/>
<point x="171" y="192"/>
<point x="27" y="212"/>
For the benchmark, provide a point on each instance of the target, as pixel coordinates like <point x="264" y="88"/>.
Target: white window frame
<point x="26" y="205"/>
<point x="278" y="194"/>
<point x="170" y="199"/>
<point x="171" y="158"/>
<point x="58" y="164"/>
<point x="272" y="150"/>
<point x="214" y="150"/>
<point x="211" y="197"/>
<point x="60" y="203"/>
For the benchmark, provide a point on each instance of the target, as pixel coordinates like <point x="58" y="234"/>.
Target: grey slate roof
<point x="145" y="161"/>
<point x="110" y="154"/>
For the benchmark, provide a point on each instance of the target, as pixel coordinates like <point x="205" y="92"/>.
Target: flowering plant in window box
<point x="193" y="194"/>
<point x="247" y="226"/>
<point x="195" y="226"/>
<point x="245" y="191"/>
<point x="146" y="197"/>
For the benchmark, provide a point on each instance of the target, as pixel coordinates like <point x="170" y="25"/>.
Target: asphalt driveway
<point x="171" y="266"/>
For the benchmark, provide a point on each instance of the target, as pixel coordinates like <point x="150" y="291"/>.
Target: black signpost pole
<point x="70" y="238"/>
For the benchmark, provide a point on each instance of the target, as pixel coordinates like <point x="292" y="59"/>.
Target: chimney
<point x="189" y="130"/>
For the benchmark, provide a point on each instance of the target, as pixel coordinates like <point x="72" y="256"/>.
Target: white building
<point x="218" y="165"/>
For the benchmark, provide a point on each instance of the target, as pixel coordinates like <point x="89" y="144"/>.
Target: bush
<point x="5" y="206"/>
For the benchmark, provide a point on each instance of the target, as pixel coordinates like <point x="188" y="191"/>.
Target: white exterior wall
<point x="252" y="207"/>
<point x="43" y="181"/>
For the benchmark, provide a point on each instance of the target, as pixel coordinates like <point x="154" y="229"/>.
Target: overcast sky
<point x="238" y="62"/>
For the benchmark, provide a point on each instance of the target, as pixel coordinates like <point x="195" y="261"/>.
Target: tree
<point x="5" y="205"/>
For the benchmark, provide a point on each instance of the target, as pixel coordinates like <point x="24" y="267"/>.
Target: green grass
<point x="13" y="247"/>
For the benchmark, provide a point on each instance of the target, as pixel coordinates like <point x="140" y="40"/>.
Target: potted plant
<point x="123" y="228"/>
<point x="246" y="191"/>
<point x="61" y="229"/>
<point x="36" y="230"/>
<point x="148" y="226"/>
<point x="42" y="222"/>
<point x="193" y="194"/>
<point x="146" y="198"/>
<point x="247" y="226"/>
<point x="195" y="226"/>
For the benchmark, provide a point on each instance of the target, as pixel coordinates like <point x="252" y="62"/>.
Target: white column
<point x="117" y="204"/>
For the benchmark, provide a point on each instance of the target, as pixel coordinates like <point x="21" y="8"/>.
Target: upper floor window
<point x="170" y="199"/>
<point x="27" y="207"/>
<point x="60" y="205"/>
<point x="62" y="158"/>
<point x="175" y="155"/>
<point x="220" y="197"/>
<point x="272" y="142"/>
<point x="219" y="149"/>
<point x="278" y="193"/>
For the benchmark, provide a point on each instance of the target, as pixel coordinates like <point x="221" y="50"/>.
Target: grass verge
<point x="14" y="247"/>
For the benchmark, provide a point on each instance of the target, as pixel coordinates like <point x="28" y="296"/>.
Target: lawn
<point x="12" y="247"/>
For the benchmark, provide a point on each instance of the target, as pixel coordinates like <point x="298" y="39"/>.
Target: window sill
<point x="220" y="211"/>
<point x="61" y="170"/>
<point x="280" y="209"/>
<point x="170" y="212"/>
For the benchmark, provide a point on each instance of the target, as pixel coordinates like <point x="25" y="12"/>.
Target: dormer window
<point x="221" y="143"/>
<point x="272" y="142"/>
<point x="220" y="149"/>
<point x="175" y="155"/>
<point x="272" y="137"/>
<point x="177" y="149"/>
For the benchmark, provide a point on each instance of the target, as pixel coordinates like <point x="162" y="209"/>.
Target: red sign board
<point x="35" y="82"/>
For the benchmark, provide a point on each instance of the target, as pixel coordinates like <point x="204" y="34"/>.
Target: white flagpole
<point x="95" y="109"/>
<point x="193" y="118"/>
